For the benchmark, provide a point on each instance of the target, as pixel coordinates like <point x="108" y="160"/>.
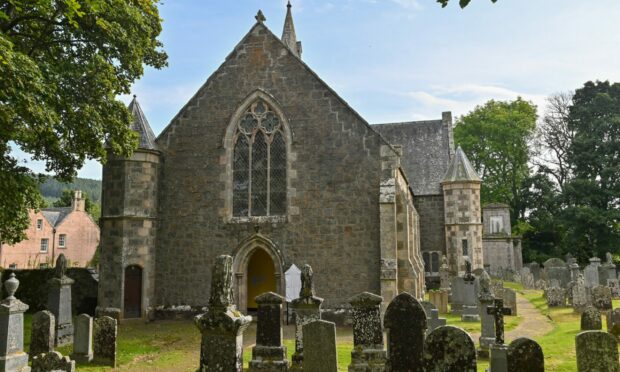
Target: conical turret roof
<point x="141" y="126"/>
<point x="460" y="169"/>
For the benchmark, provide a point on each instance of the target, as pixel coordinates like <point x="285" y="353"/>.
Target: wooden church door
<point x="133" y="292"/>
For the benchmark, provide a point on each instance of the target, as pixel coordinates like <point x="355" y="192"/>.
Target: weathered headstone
<point x="440" y="300"/>
<point x="435" y="321"/>
<point x="580" y="295"/>
<point x="222" y="326"/>
<point x="405" y="323"/>
<point x="607" y="270"/>
<point x="509" y="296"/>
<point x="613" y="322"/>
<point x="428" y="306"/>
<point x="574" y="271"/>
<point x="601" y="297"/>
<point x="535" y="269"/>
<point x="487" y="326"/>
<point x="614" y="287"/>
<point x="556" y="269"/>
<point x="59" y="302"/>
<point x="456" y="294"/>
<point x="12" y="355"/>
<point x="591" y="272"/>
<point x="525" y="354"/>
<point x="449" y="348"/>
<point x="320" y="352"/>
<point x="527" y="278"/>
<point x="367" y="333"/>
<point x="269" y="354"/>
<point x="499" y="351"/>
<point x="52" y="361"/>
<point x="597" y="351"/>
<point x="83" y="339"/>
<point x="556" y="297"/>
<point x="307" y="308"/>
<point x="104" y="348"/>
<point x="42" y="333"/>
<point x="469" y="296"/>
<point x="444" y="274"/>
<point x="591" y="319"/>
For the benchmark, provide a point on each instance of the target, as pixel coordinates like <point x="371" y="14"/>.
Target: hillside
<point x="51" y="189"/>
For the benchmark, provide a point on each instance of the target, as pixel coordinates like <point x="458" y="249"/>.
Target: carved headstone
<point x="307" y="308"/>
<point x="596" y="351"/>
<point x="104" y="345"/>
<point x="269" y="354"/>
<point x="222" y="326"/>
<point x="440" y="300"/>
<point x="525" y="354"/>
<point x="556" y="269"/>
<point x="444" y="274"/>
<point x="42" y="333"/>
<point x="320" y="353"/>
<point x="601" y="297"/>
<point x="487" y="327"/>
<point x="59" y="302"/>
<point x="12" y="355"/>
<point x="367" y="333"/>
<point x="83" y="339"/>
<point x="591" y="319"/>
<point x="580" y="295"/>
<point x="52" y="361"/>
<point x="591" y="272"/>
<point x="449" y="348"/>
<point x="405" y="322"/>
<point x="556" y="297"/>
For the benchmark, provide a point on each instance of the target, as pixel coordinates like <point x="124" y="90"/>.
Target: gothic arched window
<point x="259" y="163"/>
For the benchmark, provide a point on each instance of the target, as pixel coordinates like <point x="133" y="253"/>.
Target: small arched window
<point x="259" y="163"/>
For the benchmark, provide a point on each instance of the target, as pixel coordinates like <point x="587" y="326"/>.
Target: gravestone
<point x="269" y="354"/>
<point x="83" y="339"/>
<point x="509" y="296"/>
<point x="457" y="285"/>
<point x="613" y="322"/>
<point x="535" y="269"/>
<point x="449" y="348"/>
<point x="527" y="278"/>
<point x="104" y="344"/>
<point x="580" y="295"/>
<point x="601" y="298"/>
<point x="428" y="306"/>
<point x="614" y="287"/>
<point x="222" y="326"/>
<point x="307" y="308"/>
<point x="444" y="274"/>
<point x="12" y="355"/>
<point x="556" y="269"/>
<point x="497" y="288"/>
<point x="556" y="297"/>
<point x="440" y="300"/>
<point x="574" y="271"/>
<point x="405" y="322"/>
<point x="59" y="302"/>
<point x="435" y="321"/>
<point x="42" y="333"/>
<point x="499" y="351"/>
<point x="597" y="351"/>
<point x="470" y="296"/>
<point x="591" y="319"/>
<point x="607" y="270"/>
<point x="487" y="327"/>
<point x="367" y="333"/>
<point x="320" y="351"/>
<point x="52" y="361"/>
<point x="591" y="272"/>
<point x="541" y="284"/>
<point x="525" y="354"/>
<point x="292" y="278"/>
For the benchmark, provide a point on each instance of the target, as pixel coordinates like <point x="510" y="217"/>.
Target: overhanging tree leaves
<point x="62" y="65"/>
<point x="462" y="3"/>
<point x="495" y="138"/>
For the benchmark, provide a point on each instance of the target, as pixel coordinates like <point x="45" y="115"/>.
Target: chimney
<point x="78" y="204"/>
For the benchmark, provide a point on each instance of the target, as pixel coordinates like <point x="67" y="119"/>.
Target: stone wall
<point x="431" y="211"/>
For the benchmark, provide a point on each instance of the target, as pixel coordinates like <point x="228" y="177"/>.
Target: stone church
<point x="267" y="163"/>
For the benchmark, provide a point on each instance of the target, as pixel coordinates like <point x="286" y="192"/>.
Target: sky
<point x="395" y="60"/>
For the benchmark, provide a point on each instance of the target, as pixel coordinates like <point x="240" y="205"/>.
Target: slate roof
<point x="141" y="126"/>
<point x="55" y="215"/>
<point x="460" y="169"/>
<point x="426" y="147"/>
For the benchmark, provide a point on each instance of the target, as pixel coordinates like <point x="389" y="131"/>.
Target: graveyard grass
<point x="174" y="345"/>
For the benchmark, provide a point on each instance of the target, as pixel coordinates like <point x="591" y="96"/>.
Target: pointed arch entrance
<point x="132" y="301"/>
<point x="258" y="268"/>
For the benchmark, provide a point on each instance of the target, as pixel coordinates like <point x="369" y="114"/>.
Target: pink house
<point x="53" y="231"/>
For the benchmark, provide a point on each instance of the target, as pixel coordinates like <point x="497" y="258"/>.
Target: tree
<point x="593" y="195"/>
<point x="495" y="138"/>
<point x="62" y="65"/>
<point x="65" y="200"/>
<point x="462" y="3"/>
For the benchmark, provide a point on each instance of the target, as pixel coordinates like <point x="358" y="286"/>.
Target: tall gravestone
<point x="439" y="298"/>
<point x="12" y="355"/>
<point x="52" y="362"/>
<point x="83" y="339"/>
<point x="269" y="354"/>
<point x="469" y="296"/>
<point x="59" y="302"/>
<point x="509" y="296"/>
<point x="607" y="271"/>
<point x="499" y="351"/>
<point x="105" y="339"/>
<point x="449" y="348"/>
<point x="487" y="326"/>
<point x="405" y="323"/>
<point x="596" y="351"/>
<point x="580" y="296"/>
<point x="42" y="333"/>
<point x="320" y="353"/>
<point x="222" y="326"/>
<point x="591" y="319"/>
<point x="444" y="274"/>
<point x="307" y="308"/>
<point x="591" y="272"/>
<point x="367" y="333"/>
<point x="525" y="354"/>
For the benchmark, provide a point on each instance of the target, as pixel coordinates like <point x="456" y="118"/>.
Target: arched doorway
<point x="133" y="292"/>
<point x="261" y="276"/>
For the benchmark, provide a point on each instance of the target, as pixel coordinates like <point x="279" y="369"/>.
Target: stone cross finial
<point x="498" y="311"/>
<point x="307" y="283"/>
<point x="61" y="266"/>
<point x="11" y="286"/>
<point x="260" y="17"/>
<point x="222" y="282"/>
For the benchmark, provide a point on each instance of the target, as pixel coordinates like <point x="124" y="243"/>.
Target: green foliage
<point x="462" y="3"/>
<point x="52" y="188"/>
<point x="62" y="65"/>
<point x="495" y="138"/>
<point x="65" y="200"/>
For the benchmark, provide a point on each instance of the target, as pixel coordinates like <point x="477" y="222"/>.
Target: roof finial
<point x="260" y="17"/>
<point x="288" y="34"/>
<point x="289" y="4"/>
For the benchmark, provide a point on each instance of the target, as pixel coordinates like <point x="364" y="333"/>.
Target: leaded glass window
<point x="259" y="163"/>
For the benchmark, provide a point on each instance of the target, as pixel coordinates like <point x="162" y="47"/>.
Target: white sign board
<point x="293" y="282"/>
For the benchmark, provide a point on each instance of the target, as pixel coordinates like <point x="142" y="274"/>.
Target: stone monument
<point x="487" y="329"/>
<point x="59" y="302"/>
<point x="320" y="355"/>
<point x="83" y="339"/>
<point x="499" y="351"/>
<point x="269" y="355"/>
<point x="367" y="350"/>
<point x="42" y="333"/>
<point x="12" y="355"/>
<point x="307" y="308"/>
<point x="405" y="323"/>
